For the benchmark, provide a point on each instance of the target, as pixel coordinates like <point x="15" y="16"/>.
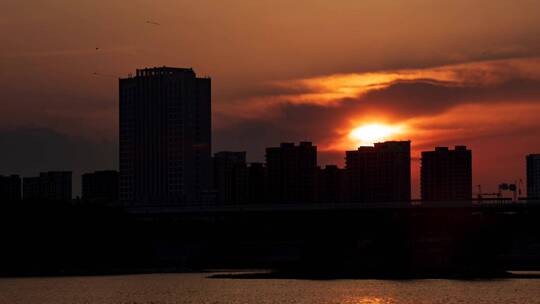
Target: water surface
<point x="198" y="288"/>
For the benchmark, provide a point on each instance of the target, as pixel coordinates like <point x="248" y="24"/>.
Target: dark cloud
<point x="254" y="136"/>
<point x="417" y="98"/>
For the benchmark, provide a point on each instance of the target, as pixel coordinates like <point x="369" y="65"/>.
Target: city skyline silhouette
<point x="272" y="88"/>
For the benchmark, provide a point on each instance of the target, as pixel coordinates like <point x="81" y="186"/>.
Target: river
<point x="200" y="288"/>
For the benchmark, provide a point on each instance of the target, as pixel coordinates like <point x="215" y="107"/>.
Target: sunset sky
<point x="438" y="73"/>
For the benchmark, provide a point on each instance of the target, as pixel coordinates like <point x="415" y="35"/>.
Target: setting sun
<point x="372" y="133"/>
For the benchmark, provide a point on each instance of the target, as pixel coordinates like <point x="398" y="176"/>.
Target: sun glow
<point x="367" y="135"/>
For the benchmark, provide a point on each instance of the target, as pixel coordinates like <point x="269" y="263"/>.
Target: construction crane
<point x="481" y="194"/>
<point x="515" y="188"/>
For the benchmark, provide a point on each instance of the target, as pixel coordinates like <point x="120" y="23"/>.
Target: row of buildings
<point x="99" y="187"/>
<point x="290" y="175"/>
<point x="381" y="173"/>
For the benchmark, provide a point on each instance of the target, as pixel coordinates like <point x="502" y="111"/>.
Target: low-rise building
<point x="100" y="186"/>
<point x="49" y="186"/>
<point x="10" y="188"/>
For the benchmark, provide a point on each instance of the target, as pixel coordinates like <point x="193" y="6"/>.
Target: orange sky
<point x="460" y="72"/>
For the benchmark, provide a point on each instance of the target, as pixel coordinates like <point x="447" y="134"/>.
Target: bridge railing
<point x="473" y="203"/>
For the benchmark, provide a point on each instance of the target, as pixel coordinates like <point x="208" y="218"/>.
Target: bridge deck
<point x="503" y="205"/>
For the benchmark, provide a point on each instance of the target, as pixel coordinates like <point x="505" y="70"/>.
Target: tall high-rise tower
<point x="292" y="173"/>
<point x="533" y="176"/>
<point x="446" y="174"/>
<point x="165" y="137"/>
<point x="230" y="177"/>
<point x="381" y="173"/>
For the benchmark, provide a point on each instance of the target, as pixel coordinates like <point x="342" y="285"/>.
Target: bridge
<point x="424" y="238"/>
<point x="476" y="205"/>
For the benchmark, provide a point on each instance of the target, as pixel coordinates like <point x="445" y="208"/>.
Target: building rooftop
<point x="164" y="70"/>
<point x="446" y="149"/>
<point x="384" y="146"/>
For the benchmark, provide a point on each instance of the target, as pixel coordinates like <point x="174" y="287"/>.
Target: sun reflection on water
<point x="368" y="300"/>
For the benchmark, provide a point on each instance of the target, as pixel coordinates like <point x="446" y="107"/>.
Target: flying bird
<point x="152" y="22"/>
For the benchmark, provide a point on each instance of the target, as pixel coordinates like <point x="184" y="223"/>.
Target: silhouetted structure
<point x="381" y="173"/>
<point x="48" y="186"/>
<point x="100" y="186"/>
<point x="230" y="177"/>
<point x="292" y="173"/>
<point x="446" y="174"/>
<point x="533" y="175"/>
<point x="393" y="241"/>
<point x="257" y="183"/>
<point x="165" y="137"/>
<point x="331" y="184"/>
<point x="10" y="188"/>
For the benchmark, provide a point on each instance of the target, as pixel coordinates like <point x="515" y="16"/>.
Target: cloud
<point x="332" y="89"/>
